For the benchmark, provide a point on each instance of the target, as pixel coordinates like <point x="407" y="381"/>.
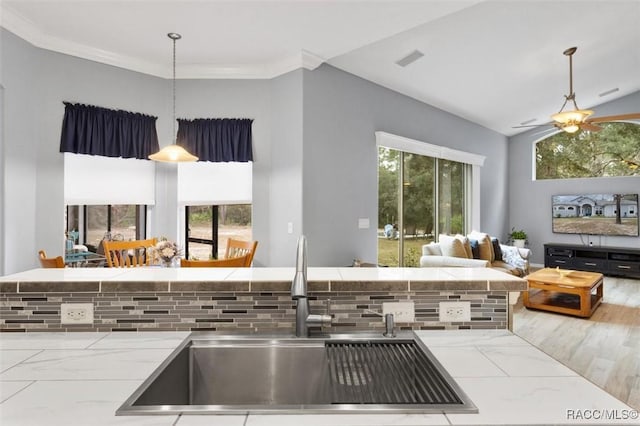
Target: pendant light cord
<point x="174" y="37"/>
<point x="173" y="153"/>
<point x="175" y="136"/>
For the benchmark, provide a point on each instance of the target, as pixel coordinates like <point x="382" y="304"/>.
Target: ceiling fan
<point x="573" y="120"/>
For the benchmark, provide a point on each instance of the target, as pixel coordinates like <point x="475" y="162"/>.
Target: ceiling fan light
<point x="571" y="127"/>
<point x="571" y="117"/>
<point x="173" y="154"/>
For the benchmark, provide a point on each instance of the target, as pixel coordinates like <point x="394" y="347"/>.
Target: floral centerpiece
<point x="166" y="251"/>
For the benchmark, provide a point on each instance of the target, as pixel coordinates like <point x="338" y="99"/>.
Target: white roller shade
<point x="97" y="180"/>
<point x="207" y="183"/>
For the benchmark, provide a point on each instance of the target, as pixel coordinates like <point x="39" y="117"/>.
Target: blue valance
<point x="217" y="139"/>
<point x="94" y="130"/>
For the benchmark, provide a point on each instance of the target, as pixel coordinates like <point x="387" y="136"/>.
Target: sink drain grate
<point x="385" y="373"/>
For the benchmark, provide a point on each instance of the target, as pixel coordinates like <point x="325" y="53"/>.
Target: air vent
<point x="410" y="58"/>
<point x="608" y="92"/>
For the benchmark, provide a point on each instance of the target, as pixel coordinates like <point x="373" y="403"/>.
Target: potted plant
<point x="519" y="237"/>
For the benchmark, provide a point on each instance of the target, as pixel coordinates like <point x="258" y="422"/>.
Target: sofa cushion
<point x="448" y="262"/>
<point x="431" y="249"/>
<point x="452" y="246"/>
<point x="505" y="267"/>
<point x="466" y="244"/>
<point x="497" y="252"/>
<point x="475" y="249"/>
<point x="485" y="247"/>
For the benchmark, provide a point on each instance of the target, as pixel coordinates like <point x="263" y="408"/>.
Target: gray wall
<point x="341" y="114"/>
<point x="313" y="139"/>
<point x="36" y="83"/>
<point x="19" y="159"/>
<point x="2" y="172"/>
<point x="285" y="180"/>
<point x="530" y="200"/>
<point x="238" y="99"/>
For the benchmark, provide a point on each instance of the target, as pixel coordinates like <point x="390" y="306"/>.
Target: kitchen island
<point x="251" y="299"/>
<point x="81" y="378"/>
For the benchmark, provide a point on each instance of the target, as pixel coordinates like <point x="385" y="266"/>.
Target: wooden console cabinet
<point x="616" y="261"/>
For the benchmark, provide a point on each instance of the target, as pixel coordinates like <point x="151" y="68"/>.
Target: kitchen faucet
<point x="304" y="318"/>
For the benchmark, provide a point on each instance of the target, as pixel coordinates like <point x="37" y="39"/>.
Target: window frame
<point x="214" y="242"/>
<point x="214" y="232"/>
<point x="141" y="220"/>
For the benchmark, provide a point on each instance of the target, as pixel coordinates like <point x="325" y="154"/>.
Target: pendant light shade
<point x="173" y="153"/>
<point x="570" y="121"/>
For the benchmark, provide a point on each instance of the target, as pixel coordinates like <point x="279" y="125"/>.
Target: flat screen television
<point x="595" y="214"/>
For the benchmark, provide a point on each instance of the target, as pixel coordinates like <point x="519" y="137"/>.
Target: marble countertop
<point x="481" y="278"/>
<point x="82" y="378"/>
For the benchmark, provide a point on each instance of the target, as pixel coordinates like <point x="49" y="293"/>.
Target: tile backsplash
<point x="251" y="310"/>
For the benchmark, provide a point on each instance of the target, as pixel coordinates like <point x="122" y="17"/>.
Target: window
<point x="427" y="191"/>
<point x="423" y="190"/>
<point x="127" y="222"/>
<point x="613" y="151"/>
<point x="209" y="227"/>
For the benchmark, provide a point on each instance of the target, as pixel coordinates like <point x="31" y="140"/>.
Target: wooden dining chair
<point x="237" y="248"/>
<point x="240" y="261"/>
<point x="50" y="262"/>
<point x="127" y="254"/>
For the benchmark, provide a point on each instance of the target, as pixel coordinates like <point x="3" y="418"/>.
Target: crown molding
<point x="305" y="59"/>
<point x="311" y="61"/>
<point x="28" y="31"/>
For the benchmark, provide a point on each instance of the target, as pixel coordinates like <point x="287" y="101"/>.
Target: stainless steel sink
<point x="227" y="374"/>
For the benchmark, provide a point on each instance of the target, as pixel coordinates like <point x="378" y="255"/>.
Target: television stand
<point x="614" y="261"/>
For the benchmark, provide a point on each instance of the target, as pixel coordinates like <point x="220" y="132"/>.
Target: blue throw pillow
<point x="474" y="248"/>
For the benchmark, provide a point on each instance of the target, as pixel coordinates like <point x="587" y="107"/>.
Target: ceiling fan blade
<point x="590" y="127"/>
<point x="618" y="117"/>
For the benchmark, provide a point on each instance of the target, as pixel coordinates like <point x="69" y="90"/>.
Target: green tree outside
<point x="613" y="151"/>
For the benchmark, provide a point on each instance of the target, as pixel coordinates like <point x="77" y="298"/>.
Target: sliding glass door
<point x="419" y="197"/>
<point x="452" y="184"/>
<point x="418" y="206"/>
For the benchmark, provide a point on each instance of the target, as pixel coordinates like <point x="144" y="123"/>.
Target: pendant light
<point x="570" y="121"/>
<point x="173" y="153"/>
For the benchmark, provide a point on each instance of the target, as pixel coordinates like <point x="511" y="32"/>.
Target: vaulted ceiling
<point x="496" y="63"/>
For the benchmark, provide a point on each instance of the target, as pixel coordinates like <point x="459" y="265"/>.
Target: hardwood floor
<point x="604" y="349"/>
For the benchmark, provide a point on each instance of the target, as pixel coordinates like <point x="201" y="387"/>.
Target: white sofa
<point x="515" y="260"/>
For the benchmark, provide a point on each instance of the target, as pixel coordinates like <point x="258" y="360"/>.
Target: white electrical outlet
<point x="455" y="311"/>
<point x="76" y="313"/>
<point x="402" y="311"/>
